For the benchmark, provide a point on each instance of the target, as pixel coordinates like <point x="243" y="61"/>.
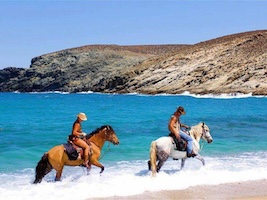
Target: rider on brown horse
<point x="76" y="135"/>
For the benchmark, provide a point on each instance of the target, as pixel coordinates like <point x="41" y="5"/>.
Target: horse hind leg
<point x="43" y="167"/>
<point x="160" y="164"/>
<point x="153" y="158"/>
<point x="149" y="165"/>
<point x="59" y="170"/>
<point x="58" y="175"/>
<point x="162" y="157"/>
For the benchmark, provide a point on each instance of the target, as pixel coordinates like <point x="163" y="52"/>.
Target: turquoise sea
<point x="32" y="123"/>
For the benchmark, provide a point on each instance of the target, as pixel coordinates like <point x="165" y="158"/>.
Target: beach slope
<point x="241" y="190"/>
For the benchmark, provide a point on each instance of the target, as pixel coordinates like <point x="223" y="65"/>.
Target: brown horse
<point x="56" y="158"/>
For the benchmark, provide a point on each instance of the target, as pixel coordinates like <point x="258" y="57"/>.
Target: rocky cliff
<point x="231" y="64"/>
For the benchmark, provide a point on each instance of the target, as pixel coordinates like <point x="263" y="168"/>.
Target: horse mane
<point x="97" y="130"/>
<point x="194" y="129"/>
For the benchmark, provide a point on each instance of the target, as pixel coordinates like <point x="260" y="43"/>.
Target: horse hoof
<point x="203" y="162"/>
<point x="37" y="181"/>
<point x="158" y="169"/>
<point x="102" y="169"/>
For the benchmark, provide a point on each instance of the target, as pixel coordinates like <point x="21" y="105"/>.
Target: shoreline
<point x="233" y="95"/>
<point x="248" y="190"/>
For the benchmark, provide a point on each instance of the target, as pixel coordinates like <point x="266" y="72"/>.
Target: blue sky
<point x="35" y="27"/>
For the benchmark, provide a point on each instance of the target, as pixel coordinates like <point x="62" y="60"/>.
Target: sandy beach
<point x="256" y="190"/>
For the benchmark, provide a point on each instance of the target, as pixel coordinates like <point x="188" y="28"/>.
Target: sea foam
<point x="132" y="177"/>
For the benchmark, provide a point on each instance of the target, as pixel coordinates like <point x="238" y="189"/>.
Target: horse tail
<point x="153" y="157"/>
<point x="43" y="167"/>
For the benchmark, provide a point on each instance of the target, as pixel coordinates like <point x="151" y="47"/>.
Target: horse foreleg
<point x="98" y="164"/>
<point x="199" y="157"/>
<point x="102" y="169"/>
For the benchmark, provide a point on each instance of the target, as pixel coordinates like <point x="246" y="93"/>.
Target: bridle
<point x="107" y="133"/>
<point x="203" y="135"/>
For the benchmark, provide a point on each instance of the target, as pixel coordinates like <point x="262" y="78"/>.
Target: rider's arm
<point x="76" y="130"/>
<point x="185" y="126"/>
<point x="172" y="127"/>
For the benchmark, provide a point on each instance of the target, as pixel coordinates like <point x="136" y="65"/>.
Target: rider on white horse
<point x="177" y="134"/>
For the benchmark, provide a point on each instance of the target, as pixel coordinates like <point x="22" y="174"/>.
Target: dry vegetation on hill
<point x="230" y="64"/>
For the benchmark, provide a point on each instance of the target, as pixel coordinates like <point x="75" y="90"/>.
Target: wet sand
<point x="250" y="190"/>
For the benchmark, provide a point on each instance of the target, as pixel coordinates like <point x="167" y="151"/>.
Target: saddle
<point x="180" y="144"/>
<point x="73" y="151"/>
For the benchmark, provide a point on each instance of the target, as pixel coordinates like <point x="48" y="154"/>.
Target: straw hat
<point x="82" y="116"/>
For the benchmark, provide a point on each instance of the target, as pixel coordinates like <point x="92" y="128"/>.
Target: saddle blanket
<point x="71" y="151"/>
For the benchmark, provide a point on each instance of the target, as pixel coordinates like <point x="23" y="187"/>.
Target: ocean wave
<point x="47" y="92"/>
<point x="215" y="96"/>
<point x="186" y="93"/>
<point x="127" y="178"/>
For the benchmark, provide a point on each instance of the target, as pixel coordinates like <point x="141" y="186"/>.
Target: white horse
<point x="164" y="147"/>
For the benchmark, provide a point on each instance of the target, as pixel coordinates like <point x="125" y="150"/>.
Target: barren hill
<point x="231" y="64"/>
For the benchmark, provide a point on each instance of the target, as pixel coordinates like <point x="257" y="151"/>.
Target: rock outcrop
<point x="231" y="64"/>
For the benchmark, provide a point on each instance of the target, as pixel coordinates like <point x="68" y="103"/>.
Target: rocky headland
<point x="231" y="64"/>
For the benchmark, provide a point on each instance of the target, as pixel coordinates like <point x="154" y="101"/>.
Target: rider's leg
<point x="189" y="140"/>
<point x="85" y="146"/>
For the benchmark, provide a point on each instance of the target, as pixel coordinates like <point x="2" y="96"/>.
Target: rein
<point x="95" y="144"/>
<point x="105" y="152"/>
<point x="202" y="141"/>
<point x="107" y="149"/>
<point x="202" y="145"/>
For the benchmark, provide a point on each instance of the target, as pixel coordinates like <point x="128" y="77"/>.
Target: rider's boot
<point x="192" y="154"/>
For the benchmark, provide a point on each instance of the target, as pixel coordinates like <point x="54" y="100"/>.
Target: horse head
<point x="102" y="134"/>
<point x="201" y="131"/>
<point x="206" y="133"/>
<point x="110" y="135"/>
